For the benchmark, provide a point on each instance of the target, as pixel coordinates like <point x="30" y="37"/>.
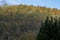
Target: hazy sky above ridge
<point x="47" y="3"/>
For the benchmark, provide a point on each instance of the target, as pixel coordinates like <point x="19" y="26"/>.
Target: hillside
<point x="25" y="9"/>
<point x="22" y="22"/>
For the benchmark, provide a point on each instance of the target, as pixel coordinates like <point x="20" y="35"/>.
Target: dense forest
<point x="23" y="22"/>
<point x="50" y="29"/>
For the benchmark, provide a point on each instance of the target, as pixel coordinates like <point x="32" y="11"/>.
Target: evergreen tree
<point x="43" y="33"/>
<point x="58" y="29"/>
<point x="1" y="29"/>
<point x="55" y="29"/>
<point x="50" y="28"/>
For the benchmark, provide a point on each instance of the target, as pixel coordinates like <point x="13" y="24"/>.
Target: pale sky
<point x="47" y="3"/>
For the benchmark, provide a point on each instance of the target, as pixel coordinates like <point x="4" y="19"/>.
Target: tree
<point x="43" y="33"/>
<point x="1" y="29"/>
<point x="50" y="30"/>
<point x="58" y="29"/>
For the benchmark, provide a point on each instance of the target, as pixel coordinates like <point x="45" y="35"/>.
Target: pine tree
<point x="58" y="29"/>
<point x="55" y="29"/>
<point x="43" y="33"/>
<point x="50" y="28"/>
<point x="1" y="29"/>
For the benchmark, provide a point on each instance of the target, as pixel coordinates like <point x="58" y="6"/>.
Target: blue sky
<point x="47" y="3"/>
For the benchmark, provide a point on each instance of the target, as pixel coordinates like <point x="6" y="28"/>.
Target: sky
<point x="47" y="3"/>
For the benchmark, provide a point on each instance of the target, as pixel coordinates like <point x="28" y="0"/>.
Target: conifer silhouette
<point x="50" y="30"/>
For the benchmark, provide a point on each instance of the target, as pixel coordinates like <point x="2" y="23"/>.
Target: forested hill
<point x="25" y="9"/>
<point x="22" y="22"/>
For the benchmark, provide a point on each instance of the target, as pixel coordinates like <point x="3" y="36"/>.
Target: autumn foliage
<point x="22" y="22"/>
